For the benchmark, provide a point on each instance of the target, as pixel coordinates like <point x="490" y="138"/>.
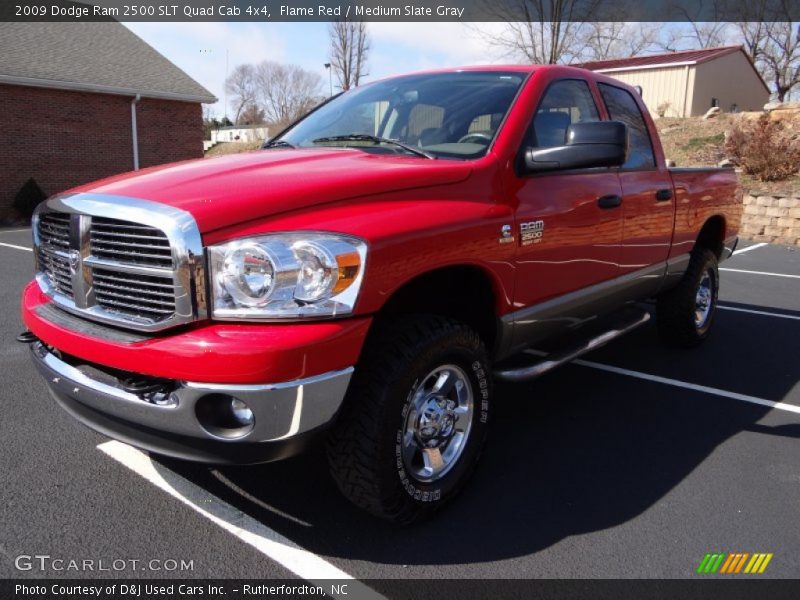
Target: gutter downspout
<point x="134" y="134"/>
<point x="685" y="89"/>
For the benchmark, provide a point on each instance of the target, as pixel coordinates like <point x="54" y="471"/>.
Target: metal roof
<point x="651" y="61"/>
<point x="95" y="57"/>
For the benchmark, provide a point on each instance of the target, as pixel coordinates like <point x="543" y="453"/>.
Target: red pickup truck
<point x="365" y="276"/>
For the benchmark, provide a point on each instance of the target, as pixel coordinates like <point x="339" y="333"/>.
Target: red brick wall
<point x="168" y="131"/>
<point x="63" y="139"/>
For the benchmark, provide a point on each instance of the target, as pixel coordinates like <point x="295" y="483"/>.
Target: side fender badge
<point x="506" y="235"/>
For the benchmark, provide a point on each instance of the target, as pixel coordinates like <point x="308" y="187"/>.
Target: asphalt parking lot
<point x="631" y="463"/>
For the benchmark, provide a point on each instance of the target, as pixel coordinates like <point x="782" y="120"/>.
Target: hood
<point x="228" y="190"/>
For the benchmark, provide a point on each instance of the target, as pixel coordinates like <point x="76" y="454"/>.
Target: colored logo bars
<point x="740" y="562"/>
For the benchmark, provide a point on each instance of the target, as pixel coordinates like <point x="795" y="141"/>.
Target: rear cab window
<point x="623" y="107"/>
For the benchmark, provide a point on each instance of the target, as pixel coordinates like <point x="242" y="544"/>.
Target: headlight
<point x="286" y="275"/>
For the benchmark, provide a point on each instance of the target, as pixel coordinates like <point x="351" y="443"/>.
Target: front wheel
<point x="685" y="314"/>
<point x="415" y="419"/>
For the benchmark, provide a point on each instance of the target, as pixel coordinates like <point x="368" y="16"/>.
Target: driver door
<point x="568" y="222"/>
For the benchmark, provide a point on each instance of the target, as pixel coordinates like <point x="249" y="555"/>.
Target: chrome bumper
<point x="281" y="411"/>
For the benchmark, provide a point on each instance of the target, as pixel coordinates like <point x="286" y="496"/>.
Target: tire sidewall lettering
<point x="434" y="492"/>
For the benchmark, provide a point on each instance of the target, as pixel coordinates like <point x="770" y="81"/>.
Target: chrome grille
<point x="152" y="297"/>
<point x="143" y="271"/>
<point x="129" y="242"/>
<point x="54" y="230"/>
<point x="57" y="270"/>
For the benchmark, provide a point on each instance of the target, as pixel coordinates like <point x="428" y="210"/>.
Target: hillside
<point x="701" y="142"/>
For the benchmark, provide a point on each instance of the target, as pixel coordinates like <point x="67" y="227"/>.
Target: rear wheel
<point x="685" y="314"/>
<point x="415" y="419"/>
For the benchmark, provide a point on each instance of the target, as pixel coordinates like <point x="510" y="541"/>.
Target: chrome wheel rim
<point x="704" y="300"/>
<point x="438" y="423"/>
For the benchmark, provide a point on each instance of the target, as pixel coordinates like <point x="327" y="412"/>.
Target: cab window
<point x="622" y="107"/>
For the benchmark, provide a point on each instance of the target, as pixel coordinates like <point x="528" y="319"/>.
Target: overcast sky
<point x="200" y="48"/>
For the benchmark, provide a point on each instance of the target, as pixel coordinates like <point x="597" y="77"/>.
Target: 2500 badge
<point x="531" y="232"/>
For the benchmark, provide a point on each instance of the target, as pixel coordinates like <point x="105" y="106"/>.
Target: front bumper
<point x="287" y="416"/>
<point x="213" y="352"/>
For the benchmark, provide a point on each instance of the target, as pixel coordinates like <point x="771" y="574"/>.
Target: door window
<point x="565" y="102"/>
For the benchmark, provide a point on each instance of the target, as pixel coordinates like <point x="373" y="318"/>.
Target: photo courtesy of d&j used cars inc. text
<point x="381" y="300"/>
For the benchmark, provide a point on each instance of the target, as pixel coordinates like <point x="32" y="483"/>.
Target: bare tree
<point x="252" y="114"/>
<point x="349" y="50"/>
<point x="709" y="34"/>
<point x="672" y="39"/>
<point x="617" y="39"/>
<point x="544" y="31"/>
<point x="241" y="85"/>
<point x="705" y="24"/>
<point x="695" y="34"/>
<point x="779" y="57"/>
<point x="772" y="40"/>
<point x="285" y="92"/>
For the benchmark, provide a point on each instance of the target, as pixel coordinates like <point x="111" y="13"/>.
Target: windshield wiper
<point x="365" y="137"/>
<point x="277" y="144"/>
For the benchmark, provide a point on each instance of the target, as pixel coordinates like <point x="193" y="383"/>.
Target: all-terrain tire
<point x="682" y="319"/>
<point x="365" y="448"/>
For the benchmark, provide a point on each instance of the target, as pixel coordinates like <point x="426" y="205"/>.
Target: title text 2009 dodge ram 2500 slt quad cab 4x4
<point x="364" y="276"/>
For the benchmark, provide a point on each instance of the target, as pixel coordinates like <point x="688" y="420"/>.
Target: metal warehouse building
<point x="81" y="101"/>
<point x="688" y="83"/>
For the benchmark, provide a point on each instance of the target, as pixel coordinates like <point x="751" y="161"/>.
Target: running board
<point x="564" y="356"/>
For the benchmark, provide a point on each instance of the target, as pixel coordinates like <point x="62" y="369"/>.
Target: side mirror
<point x="593" y="144"/>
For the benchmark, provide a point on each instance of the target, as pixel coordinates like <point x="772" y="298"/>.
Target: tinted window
<point x="565" y="102"/>
<point x="622" y="107"/>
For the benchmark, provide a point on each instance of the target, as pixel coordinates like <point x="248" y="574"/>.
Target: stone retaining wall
<point x="770" y="218"/>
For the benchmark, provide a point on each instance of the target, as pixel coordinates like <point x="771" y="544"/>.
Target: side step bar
<point x="557" y="359"/>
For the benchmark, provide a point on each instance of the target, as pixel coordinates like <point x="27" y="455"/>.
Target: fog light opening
<point x="224" y="416"/>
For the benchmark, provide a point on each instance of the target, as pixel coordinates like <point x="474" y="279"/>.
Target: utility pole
<point x="226" y="87"/>
<point x="225" y="90"/>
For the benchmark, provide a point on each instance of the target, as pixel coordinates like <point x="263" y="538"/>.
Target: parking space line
<point x="759" y="273"/>
<point x="2" y="231"/>
<point x="268" y="542"/>
<point x="16" y="247"/>
<point x="748" y="248"/>
<point x="689" y="386"/>
<point x="758" y="312"/>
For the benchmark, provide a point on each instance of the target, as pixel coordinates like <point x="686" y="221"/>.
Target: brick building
<point x="81" y="101"/>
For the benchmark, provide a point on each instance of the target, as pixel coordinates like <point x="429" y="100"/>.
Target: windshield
<point x="441" y="115"/>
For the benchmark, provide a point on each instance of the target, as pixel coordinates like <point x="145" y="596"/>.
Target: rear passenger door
<point x="648" y="206"/>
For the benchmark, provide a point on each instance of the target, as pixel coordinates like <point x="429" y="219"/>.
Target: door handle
<point x="664" y="195"/>
<point x="610" y="201"/>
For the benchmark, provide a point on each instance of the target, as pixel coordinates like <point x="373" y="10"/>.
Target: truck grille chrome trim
<point x="121" y="261"/>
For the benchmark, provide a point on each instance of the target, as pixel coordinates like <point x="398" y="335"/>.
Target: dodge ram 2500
<point x="364" y="277"/>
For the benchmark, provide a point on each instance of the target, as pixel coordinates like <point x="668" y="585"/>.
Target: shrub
<point x="28" y="198"/>
<point x="764" y="149"/>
